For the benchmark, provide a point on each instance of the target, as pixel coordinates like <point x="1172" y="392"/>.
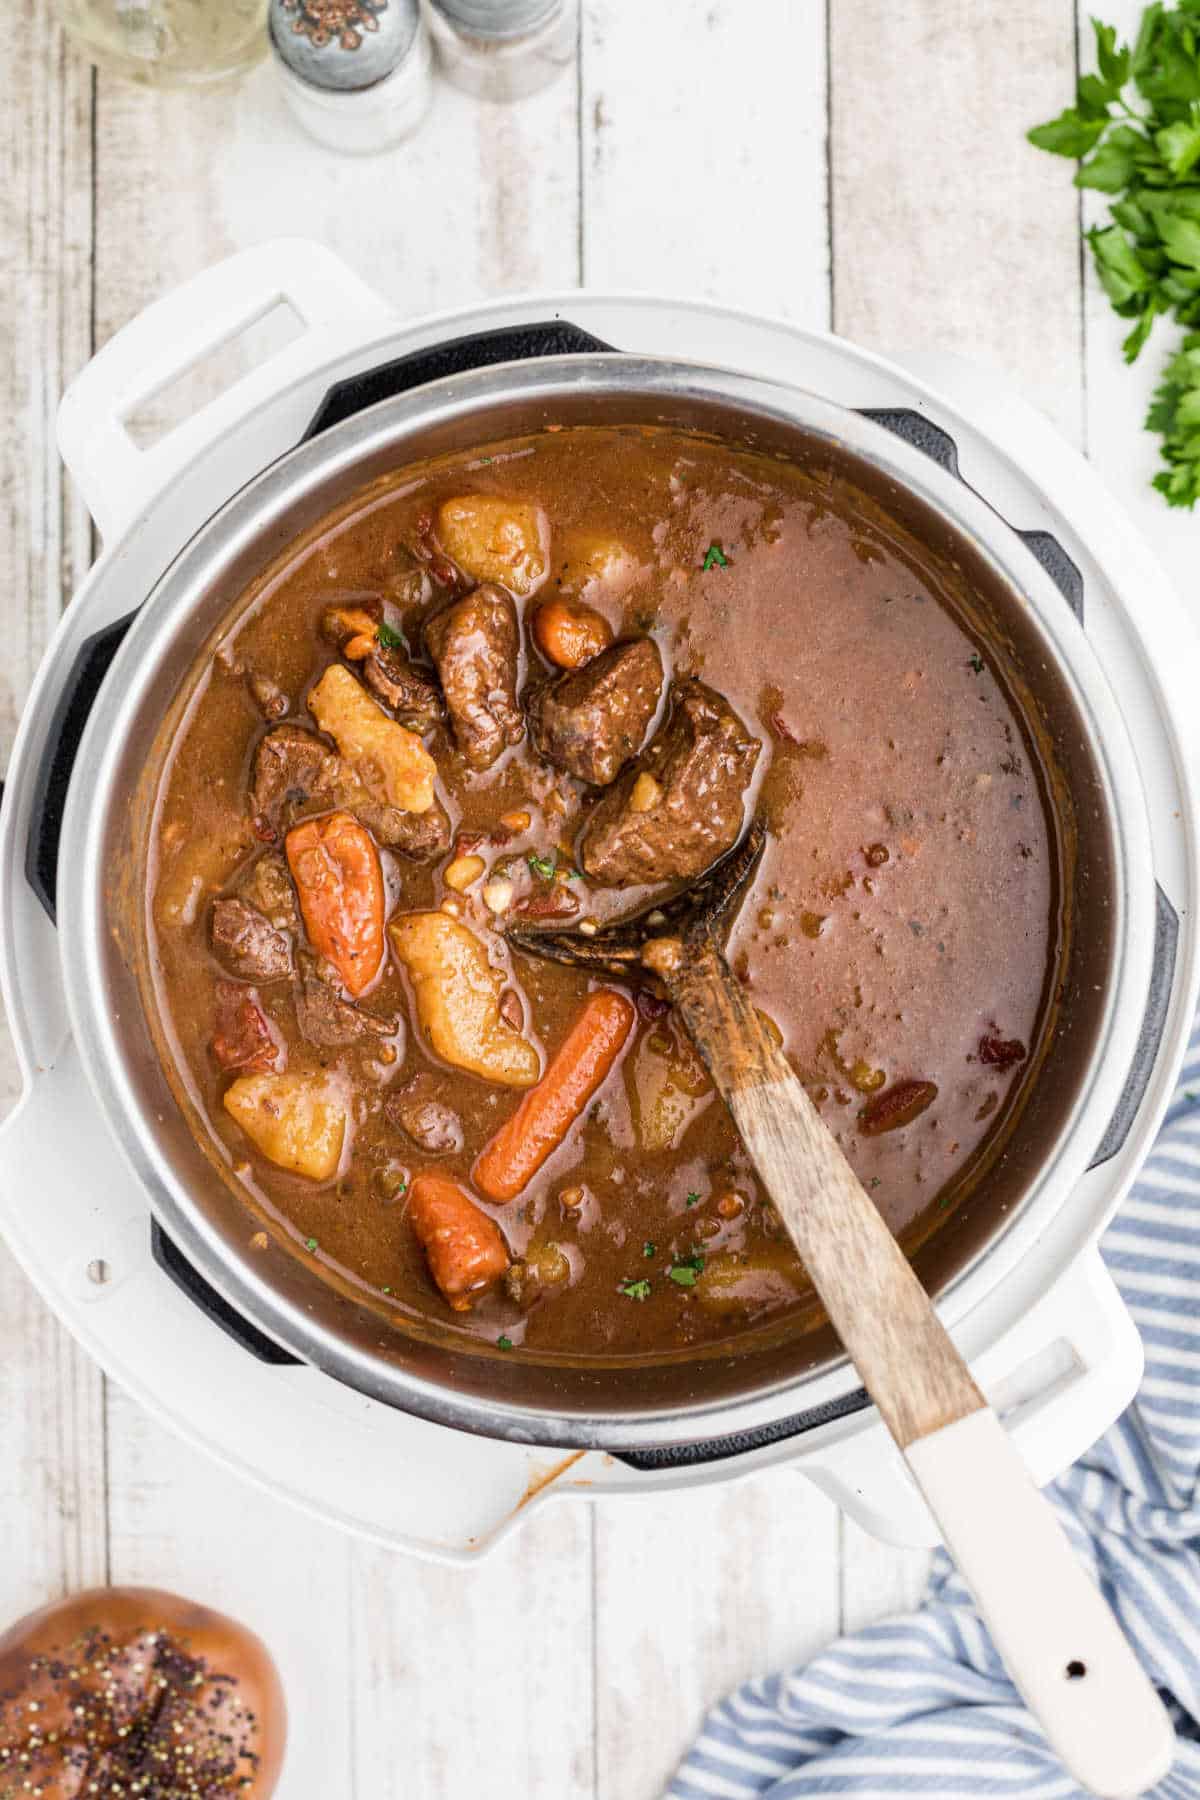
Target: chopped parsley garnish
<point x="976" y="663"/>
<point x="542" y="865"/>
<point x="715" y="557"/>
<point x="310" y="1243"/>
<point x="636" y="1290"/>
<point x="693" y="1199"/>
<point x="873" y="1183"/>
<point x="391" y="640"/>
<point x="504" y="1343"/>
<point x="649" y="1248"/>
<point x="385" y="1290"/>
<point x="684" y="1272"/>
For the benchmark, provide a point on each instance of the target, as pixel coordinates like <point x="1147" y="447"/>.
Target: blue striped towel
<point x="921" y="1705"/>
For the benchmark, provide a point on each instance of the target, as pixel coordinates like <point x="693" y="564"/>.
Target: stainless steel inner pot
<point x="762" y="1377"/>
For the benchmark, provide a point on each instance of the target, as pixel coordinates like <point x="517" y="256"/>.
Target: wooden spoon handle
<point x="878" y="1307"/>
<point x="1059" y="1640"/>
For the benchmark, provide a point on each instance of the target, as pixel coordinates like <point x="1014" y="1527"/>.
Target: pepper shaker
<point x="356" y="73"/>
<point x="504" y="49"/>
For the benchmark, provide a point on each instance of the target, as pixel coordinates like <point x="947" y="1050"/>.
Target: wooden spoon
<point x="1059" y="1640"/>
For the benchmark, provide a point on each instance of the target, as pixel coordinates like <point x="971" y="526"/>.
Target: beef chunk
<point x="247" y="943"/>
<point x="415" y="701"/>
<point x="474" y="642"/>
<point x="290" y="767"/>
<point x="591" y="720"/>
<point x="422" y="837"/>
<point x="679" y="806"/>
<point x="330" y="1022"/>
<point x="432" y="1125"/>
<point x="268" y="889"/>
<point x="243" y="1037"/>
<point x="386" y="670"/>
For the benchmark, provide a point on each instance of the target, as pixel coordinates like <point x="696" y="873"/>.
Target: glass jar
<point x="504" y="49"/>
<point x="169" y="43"/>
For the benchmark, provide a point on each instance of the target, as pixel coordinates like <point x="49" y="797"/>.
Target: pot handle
<point x="1058" y="1379"/>
<point x="115" y="477"/>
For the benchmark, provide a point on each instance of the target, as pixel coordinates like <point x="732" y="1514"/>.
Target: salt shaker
<point x="504" y="49"/>
<point x="356" y="73"/>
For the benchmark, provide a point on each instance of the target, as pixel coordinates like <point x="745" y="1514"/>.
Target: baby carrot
<point x="462" y="1245"/>
<point x="570" y="634"/>
<point x="336" y="870"/>
<point x="548" y="1111"/>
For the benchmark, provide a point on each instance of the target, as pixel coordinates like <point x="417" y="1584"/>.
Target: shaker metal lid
<point x="497" y="18"/>
<point x="343" y="44"/>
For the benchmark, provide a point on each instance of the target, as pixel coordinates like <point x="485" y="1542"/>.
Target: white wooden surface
<point x="859" y="164"/>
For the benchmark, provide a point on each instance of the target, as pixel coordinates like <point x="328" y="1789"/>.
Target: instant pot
<point x="103" y="1194"/>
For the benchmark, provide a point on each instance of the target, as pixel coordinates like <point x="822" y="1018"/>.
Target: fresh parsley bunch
<point x="1146" y="149"/>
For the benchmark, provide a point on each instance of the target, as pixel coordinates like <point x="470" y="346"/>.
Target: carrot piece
<point x="569" y="634"/>
<point x="463" y="1246"/>
<point x="548" y="1111"/>
<point x="340" y="883"/>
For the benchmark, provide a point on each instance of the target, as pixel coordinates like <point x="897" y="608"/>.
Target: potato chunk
<point x="296" y="1121"/>
<point x="755" y="1281"/>
<point x="593" y="562"/>
<point x="668" y="1087"/>
<point x="458" y="999"/>
<point x="391" y="762"/>
<point x="496" y="540"/>
<point x="194" y="868"/>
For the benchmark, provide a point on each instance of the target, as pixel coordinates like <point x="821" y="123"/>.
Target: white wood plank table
<point x="859" y="165"/>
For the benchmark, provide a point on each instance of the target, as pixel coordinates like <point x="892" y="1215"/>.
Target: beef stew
<point x="548" y="682"/>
